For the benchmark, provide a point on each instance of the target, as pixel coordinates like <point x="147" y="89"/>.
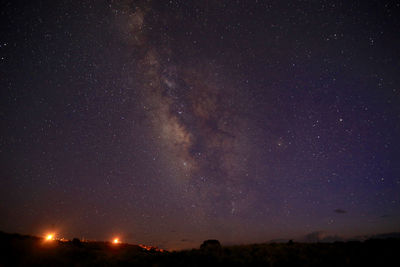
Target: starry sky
<point x="171" y="122"/>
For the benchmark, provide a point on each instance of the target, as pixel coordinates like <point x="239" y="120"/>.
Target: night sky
<point x="171" y="122"/>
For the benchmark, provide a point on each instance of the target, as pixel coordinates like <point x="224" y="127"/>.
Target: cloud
<point x="340" y="211"/>
<point x="386" y="235"/>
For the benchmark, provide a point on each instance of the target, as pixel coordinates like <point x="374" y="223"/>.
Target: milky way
<point x="196" y="119"/>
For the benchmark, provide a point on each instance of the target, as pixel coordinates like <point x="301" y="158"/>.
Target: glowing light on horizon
<point x="116" y="241"/>
<point x="50" y="237"/>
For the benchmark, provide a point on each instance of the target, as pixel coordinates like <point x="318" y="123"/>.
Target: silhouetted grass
<point x="18" y="250"/>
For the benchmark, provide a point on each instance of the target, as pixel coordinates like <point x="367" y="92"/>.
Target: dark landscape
<point x="23" y="250"/>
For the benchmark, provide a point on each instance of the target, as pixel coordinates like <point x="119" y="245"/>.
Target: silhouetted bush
<point x="211" y="244"/>
<point x="76" y="242"/>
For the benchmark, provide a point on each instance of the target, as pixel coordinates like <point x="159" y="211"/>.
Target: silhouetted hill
<point x="19" y="250"/>
<point x="22" y="250"/>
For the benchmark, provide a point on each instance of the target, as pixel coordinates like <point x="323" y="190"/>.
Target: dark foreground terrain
<point x="18" y="250"/>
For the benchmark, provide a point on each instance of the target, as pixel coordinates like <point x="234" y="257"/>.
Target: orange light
<point x="116" y="241"/>
<point x="50" y="237"/>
